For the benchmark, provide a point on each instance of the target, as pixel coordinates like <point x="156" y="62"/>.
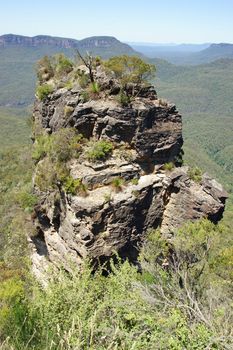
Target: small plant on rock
<point x="168" y="166"/>
<point x="100" y="150"/>
<point x="84" y="96"/>
<point x="134" y="181"/>
<point x="64" y="65"/>
<point x="27" y="200"/>
<point x="117" y="184"/>
<point x="123" y="99"/>
<point x="94" y="88"/>
<point x="74" y="186"/>
<point x="43" y="91"/>
<point x="195" y="174"/>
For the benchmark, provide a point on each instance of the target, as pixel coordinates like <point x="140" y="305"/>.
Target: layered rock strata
<point x="146" y="134"/>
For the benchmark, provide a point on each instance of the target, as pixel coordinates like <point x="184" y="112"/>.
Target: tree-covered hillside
<point x="203" y="95"/>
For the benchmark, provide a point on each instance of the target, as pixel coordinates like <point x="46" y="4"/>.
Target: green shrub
<point x="46" y="176"/>
<point x="168" y="166"/>
<point x="61" y="146"/>
<point x="84" y="95"/>
<point x="117" y="184"/>
<point x="74" y="186"/>
<point x="27" y="200"/>
<point x="41" y="147"/>
<point x="43" y="91"/>
<point x="130" y="69"/>
<point x="12" y="312"/>
<point x="134" y="181"/>
<point x="195" y="174"/>
<point x="88" y="311"/>
<point x="65" y="144"/>
<point x="83" y="80"/>
<point x="94" y="88"/>
<point x="64" y="65"/>
<point x="123" y="99"/>
<point x="69" y="85"/>
<point x="100" y="150"/>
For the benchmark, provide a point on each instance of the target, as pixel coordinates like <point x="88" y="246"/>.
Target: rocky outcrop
<point x="107" y="219"/>
<point x="153" y="130"/>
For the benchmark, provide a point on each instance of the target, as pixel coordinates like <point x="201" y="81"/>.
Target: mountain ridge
<point x="8" y="40"/>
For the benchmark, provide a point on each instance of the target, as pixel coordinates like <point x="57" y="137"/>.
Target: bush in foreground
<point x="178" y="301"/>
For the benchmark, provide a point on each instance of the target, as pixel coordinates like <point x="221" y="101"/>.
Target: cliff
<point x="136" y="184"/>
<point x="92" y="43"/>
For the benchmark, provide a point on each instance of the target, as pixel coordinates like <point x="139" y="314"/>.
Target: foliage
<point x="99" y="150"/>
<point x="63" y="65"/>
<point x="117" y="183"/>
<point x="125" y="310"/>
<point x="130" y="69"/>
<point x="16" y="203"/>
<point x="60" y="146"/>
<point x="94" y="88"/>
<point x="43" y="91"/>
<point x="74" y="186"/>
<point x="53" y="152"/>
<point x="168" y="166"/>
<point x="27" y="200"/>
<point x="85" y="96"/>
<point x="134" y="181"/>
<point x="123" y="98"/>
<point x="195" y="174"/>
<point x="41" y="147"/>
<point x="14" y="129"/>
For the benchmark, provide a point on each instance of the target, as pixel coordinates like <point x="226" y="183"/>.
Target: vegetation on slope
<point x="180" y="298"/>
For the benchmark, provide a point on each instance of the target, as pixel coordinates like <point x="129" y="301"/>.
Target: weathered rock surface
<point x="155" y="131"/>
<point x="104" y="222"/>
<point x="107" y="220"/>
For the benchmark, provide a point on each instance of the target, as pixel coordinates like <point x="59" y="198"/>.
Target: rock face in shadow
<point x="108" y="219"/>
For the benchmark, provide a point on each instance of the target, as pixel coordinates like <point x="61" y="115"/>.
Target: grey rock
<point x="108" y="219"/>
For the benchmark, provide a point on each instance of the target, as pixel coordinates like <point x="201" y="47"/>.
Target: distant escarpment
<point x="92" y="43"/>
<point x="109" y="168"/>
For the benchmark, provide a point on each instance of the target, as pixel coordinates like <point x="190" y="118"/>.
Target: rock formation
<point x="115" y="217"/>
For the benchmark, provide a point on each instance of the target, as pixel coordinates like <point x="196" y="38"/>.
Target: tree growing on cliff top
<point x="90" y="62"/>
<point x="130" y="69"/>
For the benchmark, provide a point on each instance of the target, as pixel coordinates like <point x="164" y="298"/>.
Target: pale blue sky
<point x="129" y="20"/>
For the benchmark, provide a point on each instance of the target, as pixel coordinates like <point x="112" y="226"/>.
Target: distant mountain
<point x="100" y="44"/>
<point x="19" y="54"/>
<point x="9" y="40"/>
<point x="187" y="54"/>
<point x="215" y="52"/>
<point x="164" y="51"/>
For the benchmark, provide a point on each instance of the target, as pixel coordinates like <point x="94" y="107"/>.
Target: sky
<point x="155" y="21"/>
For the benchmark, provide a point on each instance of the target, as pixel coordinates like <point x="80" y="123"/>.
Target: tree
<point x="89" y="62"/>
<point x="130" y="69"/>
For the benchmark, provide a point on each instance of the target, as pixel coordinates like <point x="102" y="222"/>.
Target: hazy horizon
<point x="124" y="41"/>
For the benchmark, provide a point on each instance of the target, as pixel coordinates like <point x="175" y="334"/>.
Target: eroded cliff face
<point x="115" y="216"/>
